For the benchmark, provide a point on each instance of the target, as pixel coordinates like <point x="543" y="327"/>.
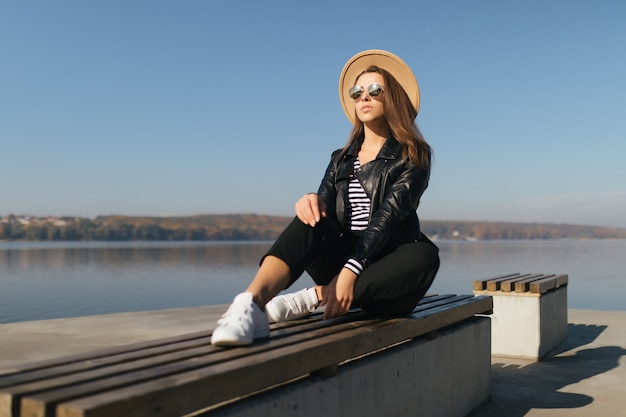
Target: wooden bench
<point x="185" y="374"/>
<point x="530" y="313"/>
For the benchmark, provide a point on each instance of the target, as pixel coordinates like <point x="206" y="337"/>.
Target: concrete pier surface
<point x="585" y="376"/>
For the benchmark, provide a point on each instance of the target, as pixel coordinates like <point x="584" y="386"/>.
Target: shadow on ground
<point x="520" y="387"/>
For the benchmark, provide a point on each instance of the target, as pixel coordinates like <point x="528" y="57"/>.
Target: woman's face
<point x="369" y="108"/>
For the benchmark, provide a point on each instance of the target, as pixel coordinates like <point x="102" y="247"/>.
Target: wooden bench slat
<point x="496" y="285"/>
<point x="481" y="284"/>
<point x="510" y="285"/>
<point x="75" y="367"/>
<point x="32" y="366"/>
<point x="188" y="391"/>
<point x="521" y="283"/>
<point x="524" y="285"/>
<point x="546" y="284"/>
<point x="13" y="393"/>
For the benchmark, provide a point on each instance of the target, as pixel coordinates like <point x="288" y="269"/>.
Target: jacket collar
<point x="391" y="149"/>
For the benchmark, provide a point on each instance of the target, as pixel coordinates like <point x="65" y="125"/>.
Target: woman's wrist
<point x="354" y="266"/>
<point x="347" y="273"/>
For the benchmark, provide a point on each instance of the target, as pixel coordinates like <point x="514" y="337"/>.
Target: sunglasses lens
<point x="355" y="92"/>
<point x="374" y="89"/>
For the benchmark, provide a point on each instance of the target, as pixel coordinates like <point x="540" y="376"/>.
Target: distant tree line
<point x="124" y="228"/>
<point x="260" y="227"/>
<point x="467" y="230"/>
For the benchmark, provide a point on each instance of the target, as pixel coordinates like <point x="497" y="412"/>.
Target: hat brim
<point x="382" y="59"/>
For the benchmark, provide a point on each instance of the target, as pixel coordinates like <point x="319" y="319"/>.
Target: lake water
<point x="53" y="280"/>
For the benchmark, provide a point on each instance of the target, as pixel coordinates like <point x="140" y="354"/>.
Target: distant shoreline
<point x="250" y="227"/>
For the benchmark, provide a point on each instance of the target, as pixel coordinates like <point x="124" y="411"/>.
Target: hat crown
<point x="382" y="59"/>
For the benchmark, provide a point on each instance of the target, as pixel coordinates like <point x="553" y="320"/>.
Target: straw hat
<point x="382" y="59"/>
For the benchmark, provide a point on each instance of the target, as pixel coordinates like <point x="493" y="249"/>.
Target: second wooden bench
<point x="530" y="313"/>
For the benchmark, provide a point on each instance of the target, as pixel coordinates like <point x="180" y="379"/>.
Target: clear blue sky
<point x="165" y="108"/>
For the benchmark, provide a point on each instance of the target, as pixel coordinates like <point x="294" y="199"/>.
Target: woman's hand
<point x="339" y="294"/>
<point x="310" y="209"/>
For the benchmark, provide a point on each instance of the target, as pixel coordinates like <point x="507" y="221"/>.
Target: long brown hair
<point x="400" y="115"/>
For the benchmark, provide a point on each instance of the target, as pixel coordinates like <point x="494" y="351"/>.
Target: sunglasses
<point x="373" y="90"/>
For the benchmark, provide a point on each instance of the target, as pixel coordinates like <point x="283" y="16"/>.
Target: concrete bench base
<point x="445" y="376"/>
<point x="528" y="321"/>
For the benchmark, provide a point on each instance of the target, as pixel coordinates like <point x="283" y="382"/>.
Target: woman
<point x="359" y="236"/>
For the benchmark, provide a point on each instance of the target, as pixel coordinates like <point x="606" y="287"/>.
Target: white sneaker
<point x="243" y="322"/>
<point x="292" y="306"/>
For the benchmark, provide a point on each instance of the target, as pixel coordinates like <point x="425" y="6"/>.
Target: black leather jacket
<point x="394" y="186"/>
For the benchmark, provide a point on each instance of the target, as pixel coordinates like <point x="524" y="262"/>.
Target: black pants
<point x="392" y="285"/>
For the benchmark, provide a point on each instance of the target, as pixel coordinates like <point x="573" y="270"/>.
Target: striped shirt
<point x="358" y="201"/>
<point x="359" y="204"/>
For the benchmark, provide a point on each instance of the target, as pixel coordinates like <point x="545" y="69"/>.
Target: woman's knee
<point x="424" y="255"/>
